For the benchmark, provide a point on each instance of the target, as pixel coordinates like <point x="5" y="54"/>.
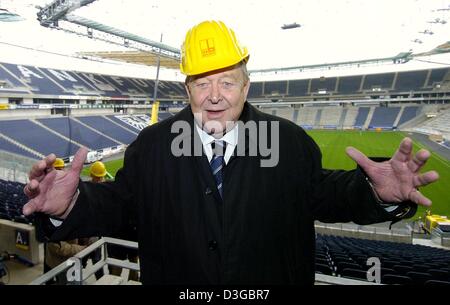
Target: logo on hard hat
<point x="207" y="47"/>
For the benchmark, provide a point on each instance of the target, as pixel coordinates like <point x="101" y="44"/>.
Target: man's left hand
<point x="397" y="180"/>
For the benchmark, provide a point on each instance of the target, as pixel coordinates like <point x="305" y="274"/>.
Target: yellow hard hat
<point x="98" y="169"/>
<point x="209" y="46"/>
<point x="59" y="163"/>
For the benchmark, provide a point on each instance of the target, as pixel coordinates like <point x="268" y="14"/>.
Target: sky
<point x="331" y="30"/>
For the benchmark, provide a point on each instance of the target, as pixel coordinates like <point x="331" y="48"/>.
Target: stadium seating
<point x="12" y="200"/>
<point x="409" y="112"/>
<point x="349" y="84"/>
<point x="108" y="128"/>
<point x="64" y="135"/>
<point x="79" y="133"/>
<point x="323" y="85"/>
<point x="255" y="90"/>
<point x="275" y="88"/>
<point x="45" y="81"/>
<point x="411" y="80"/>
<point x="382" y="82"/>
<point x="400" y="263"/>
<point x="297" y="87"/>
<point x="384" y="117"/>
<point x="436" y="77"/>
<point x="361" y="117"/>
<point x="441" y="123"/>
<point x="37" y="138"/>
<point x="12" y="148"/>
<point x="52" y="82"/>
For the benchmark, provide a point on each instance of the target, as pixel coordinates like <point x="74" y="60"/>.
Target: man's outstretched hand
<point x="51" y="191"/>
<point x="397" y="180"/>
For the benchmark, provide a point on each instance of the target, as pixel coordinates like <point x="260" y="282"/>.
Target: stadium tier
<point x="65" y="135"/>
<point x="384" y="117"/>
<point x="12" y="200"/>
<point x="38" y="82"/>
<point x="45" y="82"/>
<point x="400" y="263"/>
<point x="348" y="117"/>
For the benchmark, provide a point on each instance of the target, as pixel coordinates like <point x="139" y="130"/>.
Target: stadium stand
<point x="349" y="84"/>
<point x="436" y="77"/>
<point x="127" y="121"/>
<point x="298" y="87"/>
<point x="350" y="117"/>
<point x="409" y="112"/>
<point x="12" y="200"/>
<point x="361" y="117"/>
<point x="37" y="138"/>
<point x="323" y="85"/>
<point x="39" y="82"/>
<point x="255" y="90"/>
<point x="108" y="128"/>
<point x="65" y="135"/>
<point x="275" y="88"/>
<point x="440" y="124"/>
<point x="330" y="117"/>
<point x="410" y="81"/>
<point x="384" y="117"/>
<point x="15" y="148"/>
<point x="400" y="263"/>
<point x="78" y="132"/>
<point x="307" y="117"/>
<point x="378" y="82"/>
<point x="44" y="82"/>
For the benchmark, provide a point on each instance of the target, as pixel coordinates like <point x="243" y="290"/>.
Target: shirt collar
<point x="231" y="137"/>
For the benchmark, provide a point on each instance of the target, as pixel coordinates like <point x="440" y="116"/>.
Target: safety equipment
<point x="98" y="169"/>
<point x="210" y="46"/>
<point x="59" y="163"/>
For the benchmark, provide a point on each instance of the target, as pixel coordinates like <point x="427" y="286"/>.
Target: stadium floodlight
<point x="428" y="32"/>
<point x="438" y="21"/>
<point x="7" y="16"/>
<point x="290" y="26"/>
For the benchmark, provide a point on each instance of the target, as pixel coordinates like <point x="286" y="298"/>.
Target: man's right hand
<point x="51" y="191"/>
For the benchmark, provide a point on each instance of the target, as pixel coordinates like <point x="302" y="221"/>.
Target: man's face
<point x="218" y="98"/>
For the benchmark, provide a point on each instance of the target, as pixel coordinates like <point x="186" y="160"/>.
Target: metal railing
<point x="76" y="274"/>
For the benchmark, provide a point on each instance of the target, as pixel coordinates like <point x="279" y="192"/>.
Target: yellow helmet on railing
<point x="209" y="46"/>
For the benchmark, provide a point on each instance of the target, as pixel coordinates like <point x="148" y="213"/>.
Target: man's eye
<point x="202" y="85"/>
<point x="227" y="84"/>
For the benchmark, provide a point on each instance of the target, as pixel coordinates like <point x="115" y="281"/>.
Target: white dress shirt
<point x="231" y="138"/>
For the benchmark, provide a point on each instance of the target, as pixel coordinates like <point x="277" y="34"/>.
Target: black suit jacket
<point x="262" y="232"/>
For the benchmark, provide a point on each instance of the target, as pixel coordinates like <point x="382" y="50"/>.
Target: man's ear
<point x="246" y="88"/>
<point x="187" y="91"/>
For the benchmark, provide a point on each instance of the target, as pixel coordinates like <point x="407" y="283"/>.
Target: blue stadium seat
<point x="391" y="279"/>
<point x="419" y="278"/>
<point x="354" y="274"/>
<point x="108" y="128"/>
<point x="437" y="283"/>
<point x="324" y="269"/>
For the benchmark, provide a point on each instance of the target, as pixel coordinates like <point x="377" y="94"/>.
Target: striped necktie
<point x="217" y="163"/>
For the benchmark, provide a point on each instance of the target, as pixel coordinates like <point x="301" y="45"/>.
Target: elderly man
<point x="207" y="208"/>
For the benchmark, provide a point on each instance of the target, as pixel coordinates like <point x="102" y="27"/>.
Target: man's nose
<point x="215" y="95"/>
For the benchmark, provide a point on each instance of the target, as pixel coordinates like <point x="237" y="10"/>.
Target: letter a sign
<point x="22" y="240"/>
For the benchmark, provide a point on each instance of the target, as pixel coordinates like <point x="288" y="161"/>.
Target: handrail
<point x="75" y="272"/>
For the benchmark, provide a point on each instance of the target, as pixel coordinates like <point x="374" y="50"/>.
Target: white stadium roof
<point x="330" y="31"/>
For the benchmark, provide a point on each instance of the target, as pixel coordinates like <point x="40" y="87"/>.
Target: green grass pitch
<point x="383" y="144"/>
<point x="376" y="144"/>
